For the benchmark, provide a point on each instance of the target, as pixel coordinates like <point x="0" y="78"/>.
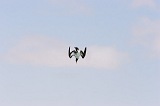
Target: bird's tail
<point x="76" y="60"/>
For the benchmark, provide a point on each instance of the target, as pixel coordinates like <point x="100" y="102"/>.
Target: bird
<point x="77" y="53"/>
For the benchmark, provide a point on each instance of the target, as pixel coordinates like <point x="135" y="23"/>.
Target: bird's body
<point x="76" y="53"/>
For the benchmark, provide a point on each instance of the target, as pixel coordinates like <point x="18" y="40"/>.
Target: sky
<point x="121" y="67"/>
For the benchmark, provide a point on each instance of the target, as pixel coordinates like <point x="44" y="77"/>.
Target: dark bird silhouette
<point x="76" y="53"/>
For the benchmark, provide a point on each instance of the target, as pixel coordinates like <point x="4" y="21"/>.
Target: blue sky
<point x="121" y="68"/>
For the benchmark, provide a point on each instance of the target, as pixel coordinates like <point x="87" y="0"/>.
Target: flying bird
<point x="77" y="53"/>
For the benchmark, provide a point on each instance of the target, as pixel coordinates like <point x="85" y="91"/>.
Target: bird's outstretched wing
<point x="83" y="54"/>
<point x="70" y="53"/>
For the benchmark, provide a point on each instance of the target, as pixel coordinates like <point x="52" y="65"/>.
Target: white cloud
<point x="72" y="6"/>
<point x="147" y="33"/>
<point x="144" y="3"/>
<point x="43" y="51"/>
<point x="104" y="57"/>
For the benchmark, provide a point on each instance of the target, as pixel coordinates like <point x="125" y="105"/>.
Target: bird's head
<point x="76" y="48"/>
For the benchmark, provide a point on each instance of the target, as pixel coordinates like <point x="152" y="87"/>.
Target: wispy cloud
<point x="72" y="6"/>
<point x="43" y="51"/>
<point x="144" y="3"/>
<point x="147" y="33"/>
<point x="105" y="57"/>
